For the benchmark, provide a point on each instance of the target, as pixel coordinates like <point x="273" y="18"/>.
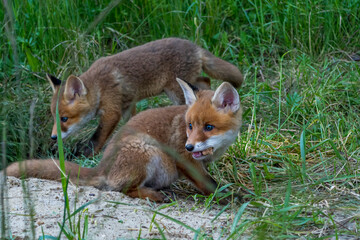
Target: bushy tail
<point x="50" y="169"/>
<point x="220" y="69"/>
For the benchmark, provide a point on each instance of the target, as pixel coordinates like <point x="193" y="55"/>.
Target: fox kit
<point x="112" y="85"/>
<point x="157" y="146"/>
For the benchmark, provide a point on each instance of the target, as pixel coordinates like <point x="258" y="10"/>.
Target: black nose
<point x="189" y="147"/>
<point x="53" y="137"/>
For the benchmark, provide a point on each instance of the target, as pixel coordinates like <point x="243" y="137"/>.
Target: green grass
<point x="299" y="146"/>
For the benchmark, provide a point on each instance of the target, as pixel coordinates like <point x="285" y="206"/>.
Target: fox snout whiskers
<point x="198" y="147"/>
<point x="200" y="153"/>
<point x="64" y="135"/>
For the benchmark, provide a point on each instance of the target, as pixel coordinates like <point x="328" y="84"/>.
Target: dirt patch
<point x="130" y="219"/>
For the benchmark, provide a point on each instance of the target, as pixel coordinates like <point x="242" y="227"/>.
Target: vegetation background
<point x="297" y="158"/>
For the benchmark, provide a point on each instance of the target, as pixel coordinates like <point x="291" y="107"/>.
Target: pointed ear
<point x="54" y="82"/>
<point x="188" y="90"/>
<point x="226" y="97"/>
<point x="74" y="86"/>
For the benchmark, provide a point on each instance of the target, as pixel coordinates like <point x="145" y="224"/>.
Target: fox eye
<point x="190" y="126"/>
<point x="208" y="127"/>
<point x="64" y="119"/>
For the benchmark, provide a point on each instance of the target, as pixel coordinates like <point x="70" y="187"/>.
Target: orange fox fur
<point x="113" y="84"/>
<point x="158" y="146"/>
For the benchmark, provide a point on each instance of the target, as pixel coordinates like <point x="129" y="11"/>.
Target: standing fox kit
<point x="157" y="146"/>
<point x="112" y="85"/>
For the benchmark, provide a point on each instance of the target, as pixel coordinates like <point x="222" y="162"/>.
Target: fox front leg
<point x="197" y="174"/>
<point x="107" y="124"/>
<point x="204" y="182"/>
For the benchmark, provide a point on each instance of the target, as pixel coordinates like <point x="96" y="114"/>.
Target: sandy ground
<point x="106" y="220"/>
<point x="133" y="217"/>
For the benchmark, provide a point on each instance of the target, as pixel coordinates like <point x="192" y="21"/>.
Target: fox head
<point x="74" y="108"/>
<point x="213" y="120"/>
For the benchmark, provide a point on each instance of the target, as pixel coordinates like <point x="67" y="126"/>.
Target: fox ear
<point x="54" y="82"/>
<point x="226" y="97"/>
<point x="74" y="86"/>
<point x="189" y="91"/>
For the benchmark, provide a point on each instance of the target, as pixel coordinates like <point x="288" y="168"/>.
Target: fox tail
<point x="220" y="69"/>
<point x="50" y="169"/>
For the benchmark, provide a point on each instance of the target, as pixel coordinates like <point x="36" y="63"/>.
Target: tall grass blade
<point x="44" y="237"/>
<point x="238" y="216"/>
<point x="64" y="179"/>
<point x="303" y="154"/>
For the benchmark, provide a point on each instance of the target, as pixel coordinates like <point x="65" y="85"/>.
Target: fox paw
<point x="169" y="195"/>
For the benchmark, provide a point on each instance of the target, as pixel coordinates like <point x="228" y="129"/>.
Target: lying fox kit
<point x="112" y="85"/>
<point x="158" y="146"/>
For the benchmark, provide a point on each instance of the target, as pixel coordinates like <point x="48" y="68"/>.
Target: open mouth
<point x="206" y="152"/>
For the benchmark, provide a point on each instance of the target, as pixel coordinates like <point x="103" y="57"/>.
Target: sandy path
<point x="107" y="220"/>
